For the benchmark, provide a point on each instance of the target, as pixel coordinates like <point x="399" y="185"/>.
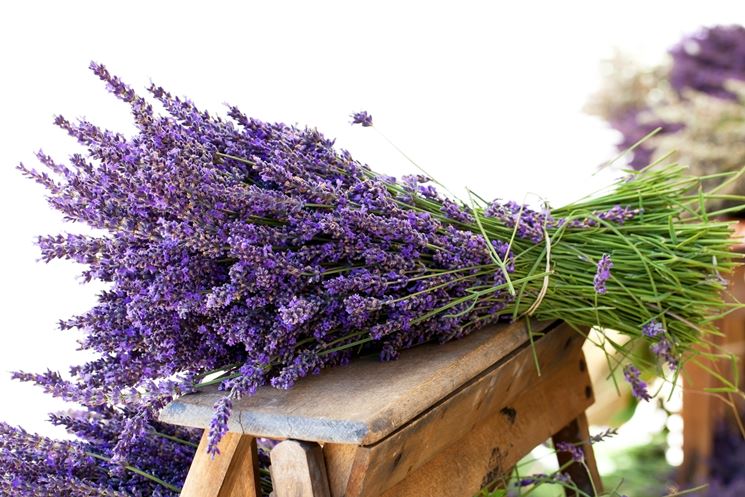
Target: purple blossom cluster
<point x="32" y="465"/>
<point x="638" y="386"/>
<point x="531" y="224"/>
<point x="602" y="274"/>
<point x="362" y="118"/>
<point x="249" y="243"/>
<point x="542" y="478"/>
<point x="603" y="435"/>
<point x="574" y="450"/>
<point x="616" y="215"/>
<point x="653" y="329"/>
<point x="703" y="62"/>
<point x="662" y="348"/>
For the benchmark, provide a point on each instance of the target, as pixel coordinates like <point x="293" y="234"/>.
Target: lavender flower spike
<point x="664" y="351"/>
<point x="662" y="348"/>
<point x="576" y="451"/>
<point x="219" y="424"/>
<point x="603" y="274"/>
<point x="653" y="329"/>
<point x="362" y="118"/>
<point x="638" y="387"/>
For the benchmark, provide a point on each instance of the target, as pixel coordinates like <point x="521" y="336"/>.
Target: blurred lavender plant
<point x="707" y="60"/>
<point x="697" y="99"/>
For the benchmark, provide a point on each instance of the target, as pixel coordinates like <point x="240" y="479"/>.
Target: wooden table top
<point x="365" y="401"/>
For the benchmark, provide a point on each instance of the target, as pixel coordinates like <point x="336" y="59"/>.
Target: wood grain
<point x="380" y="466"/>
<point x="364" y="402"/>
<point x="232" y="473"/>
<point x="339" y="461"/>
<point x="298" y="470"/>
<point x="703" y="412"/>
<point x="492" y="448"/>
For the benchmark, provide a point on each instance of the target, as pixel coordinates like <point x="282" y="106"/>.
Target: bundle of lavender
<point x="246" y="253"/>
<point x="38" y="466"/>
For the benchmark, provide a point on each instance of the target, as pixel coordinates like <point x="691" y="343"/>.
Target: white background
<point x="482" y="94"/>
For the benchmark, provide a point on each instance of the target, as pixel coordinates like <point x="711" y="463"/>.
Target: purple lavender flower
<point x="456" y="212"/>
<point x="576" y="451"/>
<point x="538" y="478"/>
<point x="664" y="351"/>
<point x="638" y="387"/>
<point x="705" y="60"/>
<point x="35" y="465"/>
<point x="219" y="423"/>
<point x="662" y="348"/>
<point x="362" y="118"/>
<point x="610" y="432"/>
<point x="530" y="223"/>
<point x="616" y="215"/>
<point x="653" y="329"/>
<point x="297" y="312"/>
<point x="602" y="274"/>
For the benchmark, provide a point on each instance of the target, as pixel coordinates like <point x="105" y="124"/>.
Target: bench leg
<point x="232" y="473"/>
<point x="585" y="476"/>
<point x="298" y="470"/>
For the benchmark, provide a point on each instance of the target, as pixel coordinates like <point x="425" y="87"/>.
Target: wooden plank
<point x="298" y="470"/>
<point x="492" y="448"/>
<point x="703" y="411"/>
<point x="232" y="473"/>
<point x="585" y="476"/>
<point x="698" y="425"/>
<point x="339" y="461"/>
<point x="363" y="402"/>
<point x="382" y="465"/>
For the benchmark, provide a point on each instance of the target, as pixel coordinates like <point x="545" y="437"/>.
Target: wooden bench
<point x="441" y="421"/>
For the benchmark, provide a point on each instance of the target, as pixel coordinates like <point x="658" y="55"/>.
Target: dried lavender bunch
<point x="259" y="253"/>
<point x="32" y="465"/>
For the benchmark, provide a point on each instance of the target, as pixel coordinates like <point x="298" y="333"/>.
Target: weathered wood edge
<point x="232" y="473"/>
<point x="498" y="442"/>
<point x="381" y="465"/>
<point x="298" y="470"/>
<point x="268" y="425"/>
<point x="363" y="432"/>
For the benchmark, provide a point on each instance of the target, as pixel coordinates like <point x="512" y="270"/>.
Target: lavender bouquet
<point x="246" y="253"/>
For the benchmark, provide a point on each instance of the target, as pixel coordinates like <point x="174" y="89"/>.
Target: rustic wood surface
<point x="298" y="470"/>
<point x="364" y="402"/>
<point x="703" y="411"/>
<point x="232" y="473"/>
<point x="376" y="468"/>
<point x="498" y="442"/>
